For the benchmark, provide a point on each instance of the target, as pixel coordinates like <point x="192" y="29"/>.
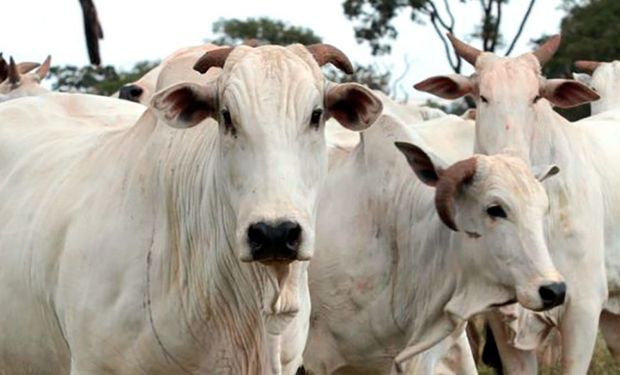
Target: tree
<point x="375" y="26"/>
<point x="104" y="80"/>
<point x="265" y="30"/>
<point x="589" y="32"/>
<point x="268" y="31"/>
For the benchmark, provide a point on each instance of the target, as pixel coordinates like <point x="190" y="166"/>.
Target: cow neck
<point x="214" y="295"/>
<point x="547" y="139"/>
<point x="439" y="295"/>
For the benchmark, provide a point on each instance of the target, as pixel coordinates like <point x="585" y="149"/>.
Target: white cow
<point x="144" y="249"/>
<point x="142" y="90"/>
<point x="604" y="78"/>
<point x="18" y="80"/>
<point x="390" y="280"/>
<point x="514" y="114"/>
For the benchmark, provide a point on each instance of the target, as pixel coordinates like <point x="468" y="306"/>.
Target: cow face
<point x="604" y="78"/>
<point x="271" y="104"/>
<point x="511" y="97"/>
<point x="498" y="202"/>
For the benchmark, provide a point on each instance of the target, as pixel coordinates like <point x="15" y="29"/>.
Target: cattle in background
<point x="181" y="60"/>
<point x="390" y="280"/>
<point x="177" y="244"/>
<point x="18" y="80"/>
<point x="604" y="78"/>
<point x="514" y="115"/>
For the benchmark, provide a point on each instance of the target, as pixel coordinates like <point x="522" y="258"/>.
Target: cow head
<point x="17" y="80"/>
<point x="498" y="201"/>
<point x="270" y="104"/>
<point x="510" y="94"/>
<point x="604" y="78"/>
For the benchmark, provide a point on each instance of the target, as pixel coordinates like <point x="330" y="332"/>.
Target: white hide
<point x="389" y="280"/>
<point x="605" y="80"/>
<point x="122" y="246"/>
<point x="514" y="115"/>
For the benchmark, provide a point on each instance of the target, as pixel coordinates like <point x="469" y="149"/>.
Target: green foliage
<point x="265" y="30"/>
<point x="104" y="80"/>
<point x="589" y="32"/>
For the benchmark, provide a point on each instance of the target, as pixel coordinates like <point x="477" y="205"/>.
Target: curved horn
<point x="44" y="68"/>
<point x="545" y="52"/>
<point x="587" y="65"/>
<point x="4" y="68"/>
<point x="217" y="58"/>
<point x="14" y="76"/>
<point x="467" y="52"/>
<point x="450" y="180"/>
<point x="326" y="53"/>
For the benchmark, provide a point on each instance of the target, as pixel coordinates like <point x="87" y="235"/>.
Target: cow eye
<point x="227" y="120"/>
<point x="315" y="118"/>
<point x="537" y="98"/>
<point x="496" y="212"/>
<point x="484" y="100"/>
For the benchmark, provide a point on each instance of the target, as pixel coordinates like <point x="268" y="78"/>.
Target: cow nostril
<point x="552" y="294"/>
<point x="130" y="92"/>
<point x="293" y="236"/>
<point x="257" y="236"/>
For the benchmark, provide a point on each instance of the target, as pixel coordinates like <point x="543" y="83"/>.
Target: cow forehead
<point x="273" y="64"/>
<point x="509" y="175"/>
<point x="497" y="74"/>
<point x="271" y="75"/>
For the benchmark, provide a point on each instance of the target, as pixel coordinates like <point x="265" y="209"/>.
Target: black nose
<point x="278" y="241"/>
<point x="552" y="294"/>
<point x="130" y="92"/>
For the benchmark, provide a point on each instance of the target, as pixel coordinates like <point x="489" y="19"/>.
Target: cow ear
<point x="566" y="93"/>
<point x="421" y="163"/>
<point x="543" y="172"/>
<point x="584" y="78"/>
<point x="353" y="105"/>
<point x="44" y="69"/>
<point x="452" y="86"/>
<point x="185" y="105"/>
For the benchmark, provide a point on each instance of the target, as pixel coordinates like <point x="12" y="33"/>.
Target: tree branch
<point x="498" y="20"/>
<point x="521" y="26"/>
<point x="449" y="11"/>
<point x="456" y="66"/>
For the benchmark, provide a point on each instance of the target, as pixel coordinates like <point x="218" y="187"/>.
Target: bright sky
<point x="138" y="30"/>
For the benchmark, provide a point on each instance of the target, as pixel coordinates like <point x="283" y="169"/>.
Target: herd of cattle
<point x="240" y="214"/>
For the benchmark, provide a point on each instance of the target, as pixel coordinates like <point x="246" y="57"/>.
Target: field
<point x="602" y="363"/>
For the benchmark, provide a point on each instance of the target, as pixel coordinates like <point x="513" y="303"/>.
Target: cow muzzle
<point x="552" y="295"/>
<point x="131" y="92"/>
<point x="274" y="242"/>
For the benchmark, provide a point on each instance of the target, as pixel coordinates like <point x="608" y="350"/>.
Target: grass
<point x="602" y="363"/>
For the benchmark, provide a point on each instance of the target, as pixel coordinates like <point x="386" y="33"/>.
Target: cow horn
<point x="326" y="53"/>
<point x="467" y="52"/>
<point x="450" y="180"/>
<point x="26" y="67"/>
<point x="45" y="67"/>
<point x="587" y="65"/>
<point x="14" y="76"/>
<point x="216" y="57"/>
<point x="4" y="68"/>
<point x="545" y="52"/>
